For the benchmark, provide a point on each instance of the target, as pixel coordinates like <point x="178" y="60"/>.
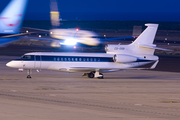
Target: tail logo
<point x="6" y="21"/>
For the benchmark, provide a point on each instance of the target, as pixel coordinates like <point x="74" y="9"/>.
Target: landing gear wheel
<point x="91" y="75"/>
<point x="102" y="77"/>
<point x="29" y="73"/>
<point x="28" y="76"/>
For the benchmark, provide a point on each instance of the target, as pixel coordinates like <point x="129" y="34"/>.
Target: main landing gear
<point x="94" y="75"/>
<point x="29" y="73"/>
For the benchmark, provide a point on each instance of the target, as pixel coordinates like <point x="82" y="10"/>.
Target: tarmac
<point x="51" y="95"/>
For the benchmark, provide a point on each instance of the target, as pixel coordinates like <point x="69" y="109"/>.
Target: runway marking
<point x="169" y="101"/>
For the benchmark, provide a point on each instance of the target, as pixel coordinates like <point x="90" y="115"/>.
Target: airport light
<point x="27" y="31"/>
<point x="39" y="36"/>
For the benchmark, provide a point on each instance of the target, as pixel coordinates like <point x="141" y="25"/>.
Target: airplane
<point x="137" y="55"/>
<point x="11" y="20"/>
<point x="73" y="36"/>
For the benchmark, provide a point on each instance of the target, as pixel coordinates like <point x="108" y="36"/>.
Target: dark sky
<point x="149" y="10"/>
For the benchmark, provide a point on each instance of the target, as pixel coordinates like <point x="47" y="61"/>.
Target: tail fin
<point x="12" y="17"/>
<point x="55" y="22"/>
<point x="148" y="35"/>
<point x="144" y="43"/>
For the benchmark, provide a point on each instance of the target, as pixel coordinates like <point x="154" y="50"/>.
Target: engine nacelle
<point x="118" y="58"/>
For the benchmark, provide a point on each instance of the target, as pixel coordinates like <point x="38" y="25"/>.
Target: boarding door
<point x="37" y="62"/>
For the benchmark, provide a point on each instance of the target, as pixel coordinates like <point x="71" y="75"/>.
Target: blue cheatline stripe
<point x="66" y="58"/>
<point x="70" y="59"/>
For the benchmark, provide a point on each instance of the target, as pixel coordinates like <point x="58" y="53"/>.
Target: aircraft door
<point x="37" y="62"/>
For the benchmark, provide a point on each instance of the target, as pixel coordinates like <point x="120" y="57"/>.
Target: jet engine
<point x="119" y="58"/>
<point x="55" y="43"/>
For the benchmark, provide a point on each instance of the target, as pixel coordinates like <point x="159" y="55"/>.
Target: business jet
<point x="137" y="55"/>
<point x="11" y="20"/>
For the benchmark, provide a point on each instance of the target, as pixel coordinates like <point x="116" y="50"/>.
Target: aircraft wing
<point x="103" y="70"/>
<point x="39" y="38"/>
<point x="117" y="38"/>
<point x="35" y="29"/>
<point x="16" y="35"/>
<point x="90" y="69"/>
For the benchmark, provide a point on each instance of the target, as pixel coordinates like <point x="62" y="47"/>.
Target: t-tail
<point x="143" y="45"/>
<point x="12" y="16"/>
<point x="142" y="49"/>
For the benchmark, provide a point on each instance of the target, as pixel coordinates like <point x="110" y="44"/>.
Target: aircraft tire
<point x="91" y="75"/>
<point x="28" y="76"/>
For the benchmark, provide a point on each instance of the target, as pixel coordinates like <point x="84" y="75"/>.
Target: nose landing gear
<point x="29" y="73"/>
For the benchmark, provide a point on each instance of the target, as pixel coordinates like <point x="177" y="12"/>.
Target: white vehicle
<point x="137" y="55"/>
<point x="11" y="20"/>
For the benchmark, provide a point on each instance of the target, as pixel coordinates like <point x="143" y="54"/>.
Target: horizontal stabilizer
<point x="153" y="47"/>
<point x="117" y="38"/>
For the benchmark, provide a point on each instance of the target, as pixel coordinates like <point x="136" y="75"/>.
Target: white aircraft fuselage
<point x="76" y="62"/>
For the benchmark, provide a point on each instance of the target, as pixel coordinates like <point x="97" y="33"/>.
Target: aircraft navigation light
<point x="75" y="47"/>
<point x="77" y="29"/>
<point x="27" y="31"/>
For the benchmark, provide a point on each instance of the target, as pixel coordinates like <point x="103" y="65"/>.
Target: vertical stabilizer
<point x="12" y="16"/>
<point x="148" y="35"/>
<point x="144" y="43"/>
<point x="55" y="22"/>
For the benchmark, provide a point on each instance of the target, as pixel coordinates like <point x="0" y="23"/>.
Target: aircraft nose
<point x="10" y="64"/>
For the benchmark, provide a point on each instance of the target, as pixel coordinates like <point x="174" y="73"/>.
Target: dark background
<point x="151" y="10"/>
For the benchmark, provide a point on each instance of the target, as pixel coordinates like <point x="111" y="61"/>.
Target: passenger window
<point x="87" y="59"/>
<point x="91" y="59"/>
<point x="54" y="59"/>
<point x="65" y="59"/>
<point x="61" y="59"/>
<point x="76" y="59"/>
<point x="72" y="59"/>
<point x="84" y="59"/>
<point x="94" y="59"/>
<point x="57" y="59"/>
<point x="98" y="59"/>
<point x="80" y="59"/>
<point x="69" y="59"/>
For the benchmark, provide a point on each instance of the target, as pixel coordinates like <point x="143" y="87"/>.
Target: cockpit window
<point x="25" y="57"/>
<point x="28" y="57"/>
